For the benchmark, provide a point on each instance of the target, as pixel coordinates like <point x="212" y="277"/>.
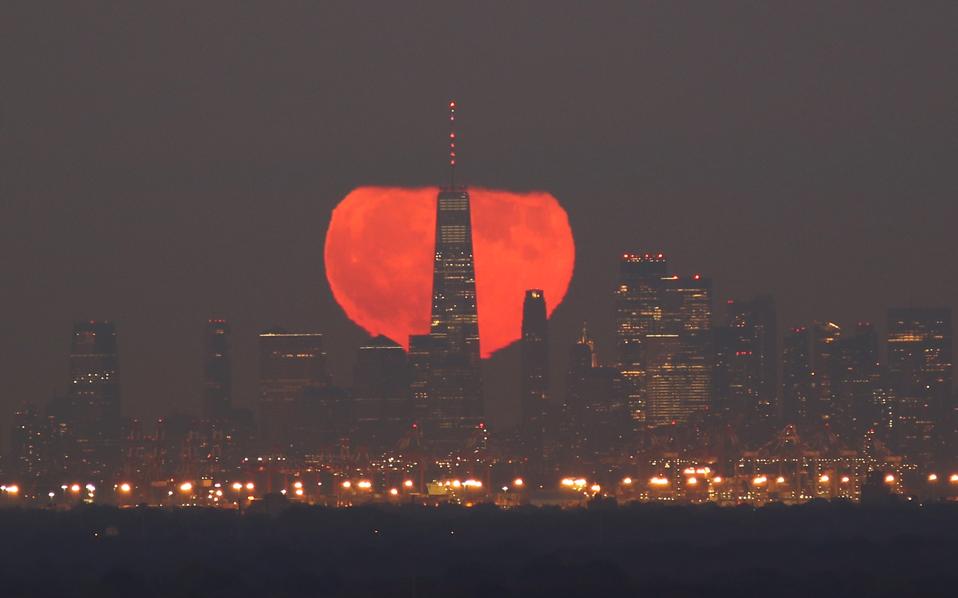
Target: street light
<point x="125" y="488"/>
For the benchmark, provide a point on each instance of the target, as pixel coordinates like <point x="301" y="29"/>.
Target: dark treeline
<point x="816" y="549"/>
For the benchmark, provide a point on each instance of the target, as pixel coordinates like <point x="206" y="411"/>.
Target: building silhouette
<point x="292" y="366"/>
<point x="638" y="299"/>
<point x="381" y="394"/>
<point x="678" y="360"/>
<point x="454" y="407"/>
<point x="747" y="361"/>
<point x="920" y="369"/>
<point x="218" y="373"/>
<point x="94" y="400"/>
<point x="534" y="383"/>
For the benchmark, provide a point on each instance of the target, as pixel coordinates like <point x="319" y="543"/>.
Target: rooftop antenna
<point x="452" y="144"/>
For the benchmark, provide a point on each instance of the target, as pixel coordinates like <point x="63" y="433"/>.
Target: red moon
<point x="379" y="254"/>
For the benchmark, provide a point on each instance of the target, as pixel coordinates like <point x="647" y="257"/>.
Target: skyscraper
<point x="920" y="369"/>
<point x="856" y="381"/>
<point x="292" y="364"/>
<point x="95" y="399"/>
<point x="796" y="376"/>
<point x="455" y="389"/>
<point x="637" y="309"/>
<point x="747" y="360"/>
<point x="534" y="386"/>
<point x="663" y="330"/>
<point x="677" y="351"/>
<point x="381" y="393"/>
<point x="218" y="384"/>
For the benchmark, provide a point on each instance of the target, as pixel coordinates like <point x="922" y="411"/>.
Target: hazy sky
<point x="162" y="165"/>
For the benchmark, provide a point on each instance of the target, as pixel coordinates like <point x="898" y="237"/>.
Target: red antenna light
<point x="452" y="144"/>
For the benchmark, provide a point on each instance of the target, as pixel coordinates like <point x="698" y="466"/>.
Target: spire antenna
<point x="452" y="144"/>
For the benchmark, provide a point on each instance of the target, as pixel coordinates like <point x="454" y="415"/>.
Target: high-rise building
<point x="291" y="364"/>
<point x="95" y="399"/>
<point x="663" y="330"/>
<point x="920" y="370"/>
<point x="826" y="338"/>
<point x="29" y="456"/>
<point x="534" y="386"/>
<point x="593" y="417"/>
<point x="746" y="350"/>
<point x="856" y="384"/>
<point x="381" y="393"/>
<point x="796" y="376"/>
<point x="570" y="415"/>
<point x="677" y="355"/>
<point x="455" y="385"/>
<point x="218" y="383"/>
<point x="638" y="306"/>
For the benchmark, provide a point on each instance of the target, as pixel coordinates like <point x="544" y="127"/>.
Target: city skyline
<point x="195" y="185"/>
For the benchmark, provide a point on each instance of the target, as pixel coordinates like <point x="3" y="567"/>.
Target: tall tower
<point x="535" y="370"/>
<point x="292" y="366"/>
<point x="381" y="393"/>
<point x="218" y="385"/>
<point x="455" y="393"/>
<point x="920" y="367"/>
<point x="638" y="304"/>
<point x="95" y="398"/>
<point x="663" y="329"/>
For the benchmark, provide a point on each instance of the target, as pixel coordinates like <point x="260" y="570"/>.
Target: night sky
<point x="163" y="165"/>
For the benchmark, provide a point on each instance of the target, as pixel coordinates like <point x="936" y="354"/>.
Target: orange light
<point x="299" y="492"/>
<point x="780" y="480"/>
<point x="567" y="482"/>
<point x="824" y="479"/>
<point x="518" y="482"/>
<point x="627" y="481"/>
<point x="407" y="483"/>
<point x="12" y="489"/>
<point x="659" y="481"/>
<point x="845" y="479"/>
<point x="889" y="479"/>
<point x="595" y="487"/>
<point x="759" y="480"/>
<point x="954" y="478"/>
<point x="297" y="484"/>
<point x="250" y="485"/>
<point x="692" y="481"/>
<point x="186" y="487"/>
<point x="717" y="479"/>
<point x="393" y="491"/>
<point x="125" y="488"/>
<point x="365" y="484"/>
<point x="932" y="477"/>
<point x="347" y="484"/>
<point x="237" y="486"/>
<point x="75" y="488"/>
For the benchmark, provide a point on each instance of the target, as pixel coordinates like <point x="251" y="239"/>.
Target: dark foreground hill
<point x="645" y="550"/>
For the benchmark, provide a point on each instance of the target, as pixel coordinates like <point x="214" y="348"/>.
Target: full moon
<point x="379" y="258"/>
